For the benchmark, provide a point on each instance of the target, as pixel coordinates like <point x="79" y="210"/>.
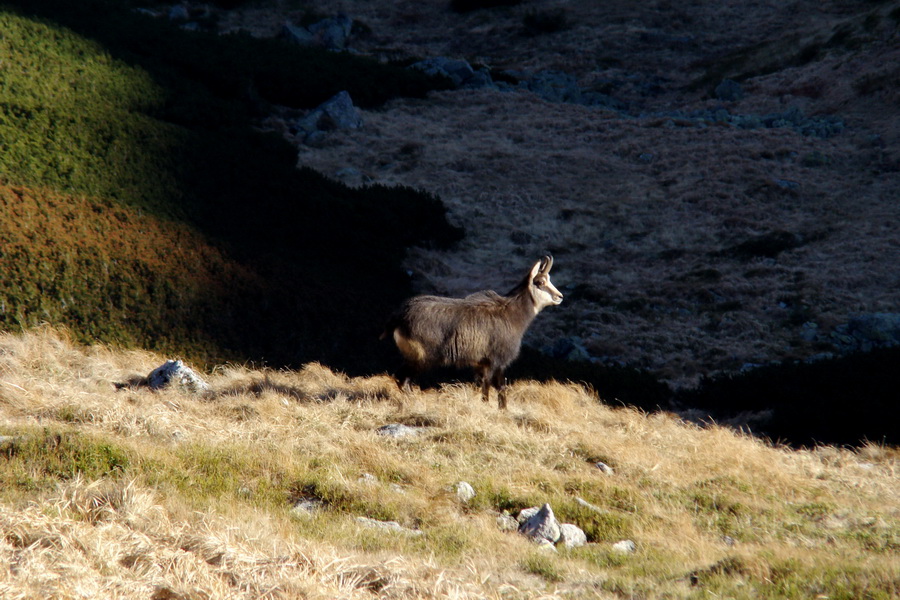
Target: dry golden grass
<point x="197" y="502"/>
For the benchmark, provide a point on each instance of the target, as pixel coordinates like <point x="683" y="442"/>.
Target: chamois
<point x="482" y="331"/>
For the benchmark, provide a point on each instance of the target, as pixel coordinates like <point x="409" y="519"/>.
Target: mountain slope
<point x="255" y="489"/>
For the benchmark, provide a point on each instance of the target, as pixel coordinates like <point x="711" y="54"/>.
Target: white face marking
<point x="545" y="294"/>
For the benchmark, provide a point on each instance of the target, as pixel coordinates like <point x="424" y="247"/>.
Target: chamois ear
<point x="535" y="270"/>
<point x="546" y="263"/>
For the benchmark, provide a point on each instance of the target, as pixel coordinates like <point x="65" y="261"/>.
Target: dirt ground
<point x="685" y="244"/>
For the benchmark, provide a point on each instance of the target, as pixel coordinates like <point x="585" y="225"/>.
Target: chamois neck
<point x="520" y="301"/>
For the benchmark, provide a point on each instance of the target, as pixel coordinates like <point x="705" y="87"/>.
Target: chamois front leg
<point x="483" y="375"/>
<point x="405" y="376"/>
<point x="499" y="381"/>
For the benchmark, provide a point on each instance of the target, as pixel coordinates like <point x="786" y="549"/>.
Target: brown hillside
<point x="643" y="208"/>
<point x="121" y="263"/>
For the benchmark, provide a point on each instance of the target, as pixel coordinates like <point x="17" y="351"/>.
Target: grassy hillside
<point x="139" y="494"/>
<point x="141" y="206"/>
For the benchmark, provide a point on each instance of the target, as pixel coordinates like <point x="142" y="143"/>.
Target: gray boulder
<point x="458" y="71"/>
<point x="879" y="329"/>
<point x="338" y="112"/>
<point x="539" y="524"/>
<point x="174" y="372"/>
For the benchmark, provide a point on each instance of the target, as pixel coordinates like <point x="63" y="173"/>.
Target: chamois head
<point x="543" y="293"/>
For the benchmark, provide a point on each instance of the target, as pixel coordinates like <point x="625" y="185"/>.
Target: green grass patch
<point x="140" y="206"/>
<point x="37" y="460"/>
<point x="542" y="564"/>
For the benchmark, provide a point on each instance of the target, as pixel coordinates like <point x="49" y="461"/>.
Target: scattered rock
<point x="554" y="86"/>
<point x="506" y="522"/>
<point x="332" y="33"/>
<point x="540" y="525"/>
<point x="387" y="526"/>
<point x="367" y="479"/>
<point x="174" y="372"/>
<point x="398" y="431"/>
<point x="625" y="547"/>
<point x="571" y="536"/>
<point x="605" y="468"/>
<point x="338" y="112"/>
<point x="179" y="12"/>
<point x="459" y="72"/>
<point x="589" y="506"/>
<point x="307" y="507"/>
<point x="464" y="492"/>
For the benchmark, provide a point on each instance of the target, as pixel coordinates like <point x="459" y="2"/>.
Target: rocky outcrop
<point x="540" y="525"/>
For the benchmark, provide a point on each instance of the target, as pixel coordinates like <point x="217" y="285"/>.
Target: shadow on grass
<point x="326" y="257"/>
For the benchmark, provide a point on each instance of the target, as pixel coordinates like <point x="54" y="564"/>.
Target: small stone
<point x="605" y="468"/>
<point x="386" y="525"/>
<point x="397" y="431"/>
<point x="367" y="479"/>
<point x="464" y="492"/>
<point x="571" y="536"/>
<point x="307" y="507"/>
<point x="625" y="547"/>
<point x="506" y="522"/>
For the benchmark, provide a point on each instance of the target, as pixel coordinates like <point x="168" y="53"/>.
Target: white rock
<point x="605" y="468"/>
<point x="174" y="372"/>
<point x="571" y="536"/>
<point x="397" y="431"/>
<point x="464" y="492"/>
<point x="625" y="547"/>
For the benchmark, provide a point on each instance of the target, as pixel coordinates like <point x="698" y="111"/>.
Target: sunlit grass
<point x="217" y="477"/>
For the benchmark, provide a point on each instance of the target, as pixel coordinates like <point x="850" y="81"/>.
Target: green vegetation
<point x="140" y="206"/>
<point x="36" y="460"/>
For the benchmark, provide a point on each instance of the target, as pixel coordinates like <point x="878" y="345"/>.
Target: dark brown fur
<point x="482" y="331"/>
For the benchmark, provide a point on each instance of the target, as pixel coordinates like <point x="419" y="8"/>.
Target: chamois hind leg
<point x="498" y="380"/>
